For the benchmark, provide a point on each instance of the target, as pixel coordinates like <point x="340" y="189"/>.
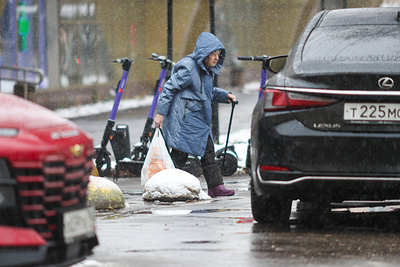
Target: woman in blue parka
<point x="184" y="109"/>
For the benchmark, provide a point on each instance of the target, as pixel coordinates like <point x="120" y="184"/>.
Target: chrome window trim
<point x="333" y="92"/>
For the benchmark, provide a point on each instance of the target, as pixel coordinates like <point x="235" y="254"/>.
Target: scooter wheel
<point x="230" y="164"/>
<point x="103" y="164"/>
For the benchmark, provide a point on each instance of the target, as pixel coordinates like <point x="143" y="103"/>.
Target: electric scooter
<point x="263" y="79"/>
<point x="126" y="160"/>
<point x="102" y="156"/>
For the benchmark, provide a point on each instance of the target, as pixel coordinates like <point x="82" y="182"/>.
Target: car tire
<point x="270" y="209"/>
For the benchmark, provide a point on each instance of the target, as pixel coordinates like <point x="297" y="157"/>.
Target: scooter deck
<point x="134" y="167"/>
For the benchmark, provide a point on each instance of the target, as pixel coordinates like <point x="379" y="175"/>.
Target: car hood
<point x="18" y="113"/>
<point x="29" y="131"/>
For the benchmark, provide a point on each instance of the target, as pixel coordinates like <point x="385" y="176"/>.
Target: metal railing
<point x="26" y="77"/>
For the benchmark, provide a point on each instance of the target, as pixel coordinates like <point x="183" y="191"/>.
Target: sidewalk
<point x="133" y="190"/>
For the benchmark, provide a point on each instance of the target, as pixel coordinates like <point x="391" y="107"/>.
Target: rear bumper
<point x="292" y="145"/>
<point x="323" y="165"/>
<point x="333" y="188"/>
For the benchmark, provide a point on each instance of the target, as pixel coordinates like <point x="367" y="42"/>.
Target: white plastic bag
<point x="157" y="158"/>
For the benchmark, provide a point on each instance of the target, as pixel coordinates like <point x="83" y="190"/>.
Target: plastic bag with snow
<point x="157" y="158"/>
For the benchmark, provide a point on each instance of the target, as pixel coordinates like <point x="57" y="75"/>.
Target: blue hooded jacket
<point x="185" y="100"/>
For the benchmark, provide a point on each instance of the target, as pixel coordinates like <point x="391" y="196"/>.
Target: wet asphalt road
<point x="221" y="231"/>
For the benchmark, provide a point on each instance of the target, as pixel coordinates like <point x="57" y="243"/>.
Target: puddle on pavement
<point x="184" y="212"/>
<point x="132" y="192"/>
<point x="117" y="214"/>
<point x="113" y="217"/>
<point x="217" y="210"/>
<point x="171" y="212"/>
<point x="201" y="242"/>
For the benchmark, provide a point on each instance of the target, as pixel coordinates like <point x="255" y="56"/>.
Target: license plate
<point x="373" y="112"/>
<point x="78" y="223"/>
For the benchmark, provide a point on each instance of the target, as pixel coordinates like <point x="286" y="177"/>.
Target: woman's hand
<point x="231" y="98"/>
<point x="158" y="120"/>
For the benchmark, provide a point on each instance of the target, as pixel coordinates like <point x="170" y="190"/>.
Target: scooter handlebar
<point x="156" y="57"/>
<point x="254" y="58"/>
<point x="122" y="60"/>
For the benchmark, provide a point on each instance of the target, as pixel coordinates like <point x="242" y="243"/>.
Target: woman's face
<point x="212" y="59"/>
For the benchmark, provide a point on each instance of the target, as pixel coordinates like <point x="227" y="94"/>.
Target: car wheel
<point x="270" y="209"/>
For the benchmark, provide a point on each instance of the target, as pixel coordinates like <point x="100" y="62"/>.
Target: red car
<point x="45" y="163"/>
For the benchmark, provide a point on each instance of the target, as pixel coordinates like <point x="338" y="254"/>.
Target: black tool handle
<point x="229" y="130"/>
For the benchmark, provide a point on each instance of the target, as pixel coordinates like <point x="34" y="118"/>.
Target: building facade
<point x="74" y="41"/>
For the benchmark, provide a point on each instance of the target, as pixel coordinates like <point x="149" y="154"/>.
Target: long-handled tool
<point x="227" y="159"/>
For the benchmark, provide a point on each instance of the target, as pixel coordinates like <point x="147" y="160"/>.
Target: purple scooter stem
<point x="264" y="70"/>
<point x="120" y="91"/>
<point x="163" y="73"/>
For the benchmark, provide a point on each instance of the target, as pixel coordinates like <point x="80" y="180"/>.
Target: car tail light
<point x="275" y="100"/>
<point x="274" y="168"/>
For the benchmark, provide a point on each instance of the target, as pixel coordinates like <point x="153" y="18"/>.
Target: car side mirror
<point x="276" y="64"/>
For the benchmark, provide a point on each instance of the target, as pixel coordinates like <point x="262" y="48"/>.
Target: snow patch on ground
<point x="89" y="263"/>
<point x="173" y="185"/>
<point x="103" y="107"/>
<point x="241" y="136"/>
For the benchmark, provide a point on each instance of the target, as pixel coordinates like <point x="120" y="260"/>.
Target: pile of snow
<point x="173" y="185"/>
<point x="104" y="194"/>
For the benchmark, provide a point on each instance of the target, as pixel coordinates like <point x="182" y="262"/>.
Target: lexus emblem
<point x="386" y="83"/>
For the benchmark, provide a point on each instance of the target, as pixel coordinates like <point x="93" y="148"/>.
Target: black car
<point x="327" y="128"/>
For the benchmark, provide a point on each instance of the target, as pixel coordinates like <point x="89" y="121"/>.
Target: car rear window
<point x="353" y="43"/>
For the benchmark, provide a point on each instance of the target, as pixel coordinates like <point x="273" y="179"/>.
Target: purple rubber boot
<point x="220" y="191"/>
